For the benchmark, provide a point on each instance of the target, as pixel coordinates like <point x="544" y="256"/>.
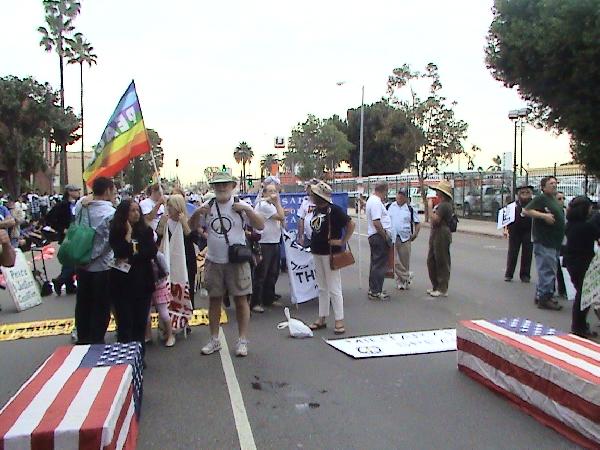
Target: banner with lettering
<point x="301" y="270"/>
<point x="21" y="285"/>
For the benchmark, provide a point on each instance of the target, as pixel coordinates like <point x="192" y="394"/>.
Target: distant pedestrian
<point x="405" y="226"/>
<point x="440" y="238"/>
<point x="548" y="232"/>
<point x="332" y="229"/>
<point x="519" y="237"/>
<point x="581" y="236"/>
<point x="379" y="229"/>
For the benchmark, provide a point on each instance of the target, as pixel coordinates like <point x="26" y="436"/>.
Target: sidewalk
<point x="466" y="226"/>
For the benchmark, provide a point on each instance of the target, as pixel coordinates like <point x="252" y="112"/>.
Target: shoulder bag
<point x="238" y="253"/>
<point x="342" y="259"/>
<point x="76" y="249"/>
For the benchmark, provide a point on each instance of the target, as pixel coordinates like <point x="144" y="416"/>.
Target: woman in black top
<point x="332" y="229"/>
<point x="581" y="235"/>
<point x="132" y="241"/>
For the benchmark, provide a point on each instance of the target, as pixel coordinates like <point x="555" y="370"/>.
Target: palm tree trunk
<point x="82" y="150"/>
<point x="243" y="183"/>
<point x="64" y="178"/>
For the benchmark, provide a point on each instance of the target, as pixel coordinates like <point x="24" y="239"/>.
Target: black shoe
<point x="525" y="279"/>
<point x="57" y="286"/>
<point x="277" y="297"/>
<point x="71" y="290"/>
<point x="586" y="334"/>
<point x="508" y="279"/>
<point x="549" y="303"/>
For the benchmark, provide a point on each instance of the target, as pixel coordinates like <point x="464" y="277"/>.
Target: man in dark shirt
<point x="548" y="233"/>
<point x="519" y="236"/>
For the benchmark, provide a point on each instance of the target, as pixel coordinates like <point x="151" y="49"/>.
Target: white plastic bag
<point x="298" y="329"/>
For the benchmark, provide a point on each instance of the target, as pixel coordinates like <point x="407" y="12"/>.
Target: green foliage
<point x="437" y="135"/>
<point x="80" y="51"/>
<point x="266" y="162"/>
<point x="140" y="171"/>
<point x="315" y="145"/>
<point x="550" y="51"/>
<point x="388" y="139"/>
<point x="497" y="164"/>
<point x="29" y="112"/>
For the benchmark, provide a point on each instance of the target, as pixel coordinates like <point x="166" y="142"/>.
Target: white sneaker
<point x="214" y="345"/>
<point x="242" y="348"/>
<point x="258" y="309"/>
<point x="438" y="294"/>
<point x="401" y="286"/>
<point x="170" y="341"/>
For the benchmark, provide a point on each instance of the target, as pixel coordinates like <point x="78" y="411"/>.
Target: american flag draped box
<point x="552" y="375"/>
<point x="82" y="397"/>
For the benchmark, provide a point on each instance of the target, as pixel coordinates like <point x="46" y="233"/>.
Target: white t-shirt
<point x="376" y="210"/>
<point x="218" y="251"/>
<point x="271" y="234"/>
<point x="306" y="212"/>
<point x="147" y="205"/>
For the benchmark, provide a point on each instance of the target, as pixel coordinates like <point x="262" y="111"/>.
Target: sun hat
<point x="444" y="187"/>
<point x="72" y="187"/>
<point x="525" y="186"/>
<point x="222" y="177"/>
<point x="322" y="190"/>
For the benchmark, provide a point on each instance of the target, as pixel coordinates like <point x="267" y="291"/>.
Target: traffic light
<point x="223" y="169"/>
<point x="250" y="182"/>
<point x="177" y="162"/>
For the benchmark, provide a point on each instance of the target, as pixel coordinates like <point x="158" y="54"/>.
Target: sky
<point x="212" y="74"/>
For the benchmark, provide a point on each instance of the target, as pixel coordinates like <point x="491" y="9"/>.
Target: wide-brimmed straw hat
<point x="222" y="177"/>
<point x="444" y="187"/>
<point x="322" y="190"/>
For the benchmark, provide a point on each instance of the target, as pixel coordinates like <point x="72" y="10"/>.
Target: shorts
<point x="231" y="278"/>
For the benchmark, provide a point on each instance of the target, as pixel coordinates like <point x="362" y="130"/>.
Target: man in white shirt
<point x="267" y="271"/>
<point x="153" y="206"/>
<point x="305" y="214"/>
<point x="405" y="229"/>
<point x="225" y="219"/>
<point x="379" y="228"/>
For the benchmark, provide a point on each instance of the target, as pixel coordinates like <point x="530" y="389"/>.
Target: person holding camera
<point x="227" y="268"/>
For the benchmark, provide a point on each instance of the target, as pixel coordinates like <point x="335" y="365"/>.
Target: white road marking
<point x="242" y="423"/>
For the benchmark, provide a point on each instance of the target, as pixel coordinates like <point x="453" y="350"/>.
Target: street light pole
<point x="514" y="180"/>
<point x="360" y="174"/>
<point x="521" y="169"/>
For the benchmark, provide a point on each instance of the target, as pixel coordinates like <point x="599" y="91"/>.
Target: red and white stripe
<point x="62" y="406"/>
<point x="556" y="378"/>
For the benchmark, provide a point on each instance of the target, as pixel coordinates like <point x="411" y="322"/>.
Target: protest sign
<point x="590" y="294"/>
<point x="21" y="285"/>
<point x="397" y="344"/>
<point x="507" y="215"/>
<point x="301" y="270"/>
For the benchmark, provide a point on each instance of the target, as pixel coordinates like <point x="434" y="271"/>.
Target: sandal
<point x="339" y="330"/>
<point x="317" y="326"/>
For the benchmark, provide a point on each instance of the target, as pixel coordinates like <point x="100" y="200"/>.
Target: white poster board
<point x="590" y="294"/>
<point x="301" y="270"/>
<point x="397" y="344"/>
<point x="506" y="215"/>
<point x="21" y="285"/>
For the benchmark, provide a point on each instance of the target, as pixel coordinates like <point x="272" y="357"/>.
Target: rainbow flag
<point x="123" y="139"/>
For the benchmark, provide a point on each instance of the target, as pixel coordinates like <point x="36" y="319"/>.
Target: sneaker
<point x="379" y="296"/>
<point x="71" y="289"/>
<point x="258" y="309"/>
<point x="214" y="345"/>
<point x="241" y="349"/>
<point x="438" y="294"/>
<point x="74" y="335"/>
<point x="549" y="303"/>
<point x="401" y="286"/>
<point x="411" y="277"/>
<point x="277" y="303"/>
<point x="429" y="291"/>
<point x="171" y="342"/>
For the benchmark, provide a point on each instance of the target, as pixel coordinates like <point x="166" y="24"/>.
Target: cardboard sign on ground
<point x="21" y="285"/>
<point x="397" y="344"/>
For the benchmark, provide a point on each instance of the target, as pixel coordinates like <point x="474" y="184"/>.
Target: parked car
<point x="494" y="197"/>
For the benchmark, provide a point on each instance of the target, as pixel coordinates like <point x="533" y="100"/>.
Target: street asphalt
<point x="305" y="394"/>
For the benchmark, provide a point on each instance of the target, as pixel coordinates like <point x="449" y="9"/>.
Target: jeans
<point x="92" y="307"/>
<point x="379" y="261"/>
<point x="265" y="275"/>
<point x="330" y="288"/>
<point x="546" y="266"/>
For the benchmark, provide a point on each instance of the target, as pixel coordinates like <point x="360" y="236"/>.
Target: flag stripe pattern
<point x="85" y="397"/>
<point x="124" y="138"/>
<point x="552" y="375"/>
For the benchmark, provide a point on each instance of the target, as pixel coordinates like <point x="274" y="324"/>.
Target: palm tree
<point x="81" y="52"/>
<point x="267" y="162"/>
<point x="59" y="18"/>
<point x="243" y="154"/>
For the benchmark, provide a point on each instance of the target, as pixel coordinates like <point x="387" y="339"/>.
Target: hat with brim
<point x="444" y="187"/>
<point x="222" y="177"/>
<point x="322" y="190"/>
<point x="72" y="187"/>
<point x="525" y="186"/>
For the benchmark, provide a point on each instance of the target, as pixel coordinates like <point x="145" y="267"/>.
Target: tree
<point x="497" y="164"/>
<point x="81" y="52"/>
<point x="550" y="51"/>
<point x="59" y="16"/>
<point x="267" y="162"/>
<point x="29" y="112"/>
<point x="140" y="172"/>
<point x="438" y="135"/>
<point x="315" y="145"/>
<point x="243" y="154"/>
<point x="387" y="138"/>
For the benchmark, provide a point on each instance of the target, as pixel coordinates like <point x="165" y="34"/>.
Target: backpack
<point x="76" y="249"/>
<point x="453" y="223"/>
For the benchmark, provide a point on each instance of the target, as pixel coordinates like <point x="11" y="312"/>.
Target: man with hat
<point x="405" y="227"/>
<point x="440" y="238"/>
<point x="227" y="270"/>
<point x="519" y="237"/>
